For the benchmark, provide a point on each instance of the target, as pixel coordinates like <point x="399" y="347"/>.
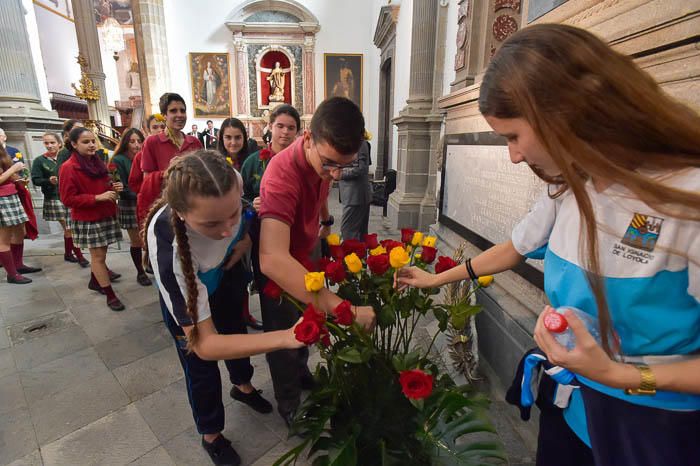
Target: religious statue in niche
<point x="274" y="78"/>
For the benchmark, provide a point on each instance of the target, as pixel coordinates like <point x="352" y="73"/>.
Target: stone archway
<point x="285" y="25"/>
<point x="385" y="40"/>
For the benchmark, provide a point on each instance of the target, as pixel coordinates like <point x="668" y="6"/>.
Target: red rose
<point x="371" y="241"/>
<point x="352" y="245"/>
<point x="390" y="244"/>
<point x="445" y="263"/>
<point x="112" y="167"/>
<point x="379" y="264"/>
<point x="337" y="252"/>
<point x="307" y="332"/>
<point x="326" y="339"/>
<point x="322" y="263"/>
<point x="428" y="254"/>
<point x="310" y="313"/>
<point x="416" y="384"/>
<point x="407" y="235"/>
<point x="335" y="272"/>
<point x="272" y="290"/>
<point x="343" y="313"/>
<point x="265" y="154"/>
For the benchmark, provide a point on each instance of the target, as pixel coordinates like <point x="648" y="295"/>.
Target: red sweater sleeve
<point x="136" y="174"/>
<point x="149" y="163"/>
<point x="69" y="191"/>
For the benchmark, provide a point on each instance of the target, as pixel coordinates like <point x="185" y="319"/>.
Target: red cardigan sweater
<point x="78" y="191"/>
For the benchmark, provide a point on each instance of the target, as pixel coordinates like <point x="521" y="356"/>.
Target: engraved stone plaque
<point x="485" y="192"/>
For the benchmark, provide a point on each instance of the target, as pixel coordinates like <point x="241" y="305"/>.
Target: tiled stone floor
<point x="96" y="387"/>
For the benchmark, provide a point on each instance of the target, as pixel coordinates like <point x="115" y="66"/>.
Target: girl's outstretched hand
<point x="415" y="277"/>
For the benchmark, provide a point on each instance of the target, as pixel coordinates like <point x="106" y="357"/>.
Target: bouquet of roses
<point x="380" y="398"/>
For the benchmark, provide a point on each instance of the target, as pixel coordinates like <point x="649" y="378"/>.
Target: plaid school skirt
<point x="97" y="234"/>
<point x="11" y="211"/>
<point x="54" y="210"/>
<point x="127" y="214"/>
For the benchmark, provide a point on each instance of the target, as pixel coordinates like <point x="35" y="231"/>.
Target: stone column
<point x="152" y="51"/>
<point x="242" y="93"/>
<point x="89" y="49"/>
<point x="418" y="127"/>
<point x="21" y="114"/>
<point x="308" y="71"/>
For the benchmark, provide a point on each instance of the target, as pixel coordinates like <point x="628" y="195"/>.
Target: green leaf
<point x="417" y="403"/>
<point x="350" y="354"/>
<point x="443" y="318"/>
<point x="386" y="317"/>
<point x="461" y="312"/>
<point x="346" y="455"/>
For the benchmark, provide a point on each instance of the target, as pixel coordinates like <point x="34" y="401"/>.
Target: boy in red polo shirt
<point x="159" y="149"/>
<point x="294" y="214"/>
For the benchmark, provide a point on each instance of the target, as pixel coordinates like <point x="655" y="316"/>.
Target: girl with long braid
<point x="191" y="234"/>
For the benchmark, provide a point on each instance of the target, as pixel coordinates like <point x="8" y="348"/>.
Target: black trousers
<point x="355" y="222"/>
<point x="623" y="433"/>
<point x="202" y="377"/>
<point x="286" y="366"/>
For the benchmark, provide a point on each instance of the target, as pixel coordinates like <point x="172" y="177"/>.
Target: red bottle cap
<point x="555" y="323"/>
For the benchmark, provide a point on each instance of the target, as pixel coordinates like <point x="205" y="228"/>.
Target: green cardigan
<point x="123" y="164"/>
<point x="44" y="168"/>
<point x="252" y="172"/>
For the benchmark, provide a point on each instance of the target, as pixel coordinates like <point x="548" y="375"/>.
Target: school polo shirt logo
<point x="643" y="232"/>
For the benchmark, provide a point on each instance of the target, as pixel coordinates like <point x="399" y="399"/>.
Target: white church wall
<point x="346" y="27"/>
<point x="59" y="47"/>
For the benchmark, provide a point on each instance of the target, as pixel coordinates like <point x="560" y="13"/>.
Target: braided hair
<point x="200" y="173"/>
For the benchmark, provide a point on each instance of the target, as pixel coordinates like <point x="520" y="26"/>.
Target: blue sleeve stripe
<point x="537" y="253"/>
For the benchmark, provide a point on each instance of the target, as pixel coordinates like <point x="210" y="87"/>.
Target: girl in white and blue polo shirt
<point x="619" y="231"/>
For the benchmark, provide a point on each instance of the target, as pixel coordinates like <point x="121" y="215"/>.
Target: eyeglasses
<point x="328" y="164"/>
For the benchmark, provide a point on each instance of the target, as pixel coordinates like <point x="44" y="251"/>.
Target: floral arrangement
<point x="380" y="399"/>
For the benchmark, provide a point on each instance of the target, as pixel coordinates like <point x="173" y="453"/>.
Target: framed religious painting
<point x="342" y="76"/>
<point x="211" y="87"/>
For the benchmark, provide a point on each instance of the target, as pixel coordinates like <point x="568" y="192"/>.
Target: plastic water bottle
<point x="558" y="326"/>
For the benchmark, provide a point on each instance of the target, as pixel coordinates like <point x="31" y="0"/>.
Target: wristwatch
<point x="329" y="222"/>
<point x="648" y="383"/>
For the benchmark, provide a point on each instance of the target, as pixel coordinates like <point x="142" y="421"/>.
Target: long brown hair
<point x="598" y="116"/>
<point x="200" y="173"/>
<point x="123" y="146"/>
<point x="5" y="160"/>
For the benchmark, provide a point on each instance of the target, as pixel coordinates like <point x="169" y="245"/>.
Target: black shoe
<point x="307" y="381"/>
<point x="84" y="263"/>
<point x="252" y="399"/>
<point x="70" y="258"/>
<point x="94" y="286"/>
<point x="143" y="279"/>
<point x="115" y="304"/>
<point x="113" y="275"/>
<point x="149" y="269"/>
<point x="253" y="323"/>
<point x="19" y="280"/>
<point x="27" y="269"/>
<point x="221" y="452"/>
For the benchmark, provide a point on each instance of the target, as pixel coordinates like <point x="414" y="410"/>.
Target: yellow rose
<point x="398" y="257"/>
<point x="417" y="238"/>
<point x="18" y="156"/>
<point x="159" y="117"/>
<point x="353" y="262"/>
<point x="377" y="251"/>
<point x="333" y="239"/>
<point x="485" y="281"/>
<point x="314" y="281"/>
<point x="229" y="160"/>
<point x="430" y="241"/>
